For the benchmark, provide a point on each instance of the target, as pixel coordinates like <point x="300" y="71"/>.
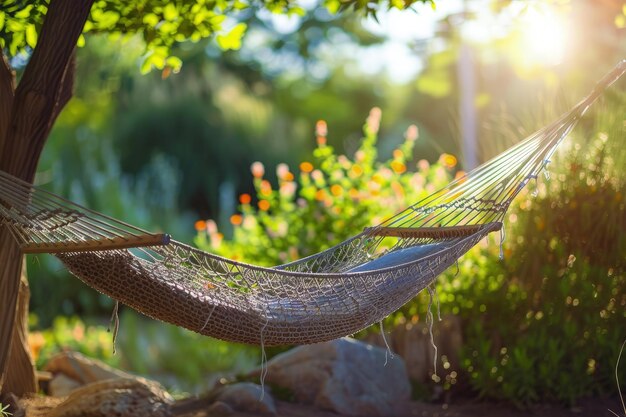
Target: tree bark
<point x="26" y="118"/>
<point x="20" y="377"/>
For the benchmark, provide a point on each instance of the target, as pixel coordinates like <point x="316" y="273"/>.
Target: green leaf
<point x="332" y="6"/>
<point x="31" y="35"/>
<point x="232" y="40"/>
<point x="2" y="19"/>
<point x="151" y="19"/>
<point x="174" y="62"/>
<point x="170" y="12"/>
<point x="146" y="66"/>
<point x="25" y="12"/>
<point x="297" y="10"/>
<point x="81" y="41"/>
<point x="109" y="19"/>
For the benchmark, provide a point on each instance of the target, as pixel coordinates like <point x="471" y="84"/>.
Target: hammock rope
<point x="331" y="294"/>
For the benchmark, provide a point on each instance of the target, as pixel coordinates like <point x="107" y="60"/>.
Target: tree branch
<point x="41" y="87"/>
<point x="65" y="92"/>
<point x="7" y="93"/>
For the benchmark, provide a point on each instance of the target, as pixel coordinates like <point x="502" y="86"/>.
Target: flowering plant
<point x="326" y="200"/>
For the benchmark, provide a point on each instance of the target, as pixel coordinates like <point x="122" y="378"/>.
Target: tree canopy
<point x="162" y="23"/>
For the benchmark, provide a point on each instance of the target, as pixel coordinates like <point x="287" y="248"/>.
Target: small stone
<point x="61" y="385"/>
<point x="246" y="396"/>
<point x="220" y="408"/>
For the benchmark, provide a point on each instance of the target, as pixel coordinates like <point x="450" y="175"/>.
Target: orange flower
<point x="398" y="167"/>
<point x="36" y="341"/>
<point x="320" y="195"/>
<point x="321" y="141"/>
<point x="397" y="189"/>
<point x="397" y="154"/>
<point x="245" y="199"/>
<point x="306" y="167"/>
<point x="258" y="170"/>
<point x="200" y="225"/>
<point x="373" y="120"/>
<point x="210" y="286"/>
<point x="336" y="190"/>
<point x="447" y="160"/>
<point x="264" y="205"/>
<point x="266" y="188"/>
<point x="412" y="133"/>
<point x="423" y="165"/>
<point x="236" y="219"/>
<point x="321" y="129"/>
<point x="356" y="171"/>
<point x="282" y="172"/>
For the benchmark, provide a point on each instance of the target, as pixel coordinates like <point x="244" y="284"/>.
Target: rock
<point x="61" y="385"/>
<point x="246" y="396"/>
<point x="219" y="408"/>
<point x="344" y="375"/>
<point x="114" y="397"/>
<point x="82" y="369"/>
<point x="72" y="369"/>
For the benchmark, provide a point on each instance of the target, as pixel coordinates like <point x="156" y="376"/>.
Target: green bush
<point x="554" y="321"/>
<point x="71" y="334"/>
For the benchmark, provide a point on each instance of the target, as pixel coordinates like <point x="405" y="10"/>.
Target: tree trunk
<point x="27" y="114"/>
<point x="20" y="377"/>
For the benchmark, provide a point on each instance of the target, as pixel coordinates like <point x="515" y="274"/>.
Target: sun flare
<point x="543" y="37"/>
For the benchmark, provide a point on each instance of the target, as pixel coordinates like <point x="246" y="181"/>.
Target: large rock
<point x="346" y="376"/>
<point x="71" y="370"/>
<point x="246" y="396"/>
<point x="112" y="397"/>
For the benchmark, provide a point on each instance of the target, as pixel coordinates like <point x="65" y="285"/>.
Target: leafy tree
<point x="45" y="34"/>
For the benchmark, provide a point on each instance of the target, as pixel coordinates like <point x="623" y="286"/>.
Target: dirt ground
<point x="590" y="407"/>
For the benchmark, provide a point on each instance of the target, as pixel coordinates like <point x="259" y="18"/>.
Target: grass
<point x="3" y="411"/>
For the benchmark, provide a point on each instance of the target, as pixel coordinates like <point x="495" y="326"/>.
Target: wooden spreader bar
<point x="159" y="239"/>
<point x="432" y="232"/>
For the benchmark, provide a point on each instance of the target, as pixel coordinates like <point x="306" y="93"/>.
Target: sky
<point x="411" y="36"/>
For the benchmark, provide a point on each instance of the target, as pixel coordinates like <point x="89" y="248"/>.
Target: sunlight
<point x="543" y="37"/>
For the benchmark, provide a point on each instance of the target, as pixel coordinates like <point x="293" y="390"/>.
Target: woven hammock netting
<point x="332" y="294"/>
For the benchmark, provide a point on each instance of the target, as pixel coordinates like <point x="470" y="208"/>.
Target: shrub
<point x="554" y="319"/>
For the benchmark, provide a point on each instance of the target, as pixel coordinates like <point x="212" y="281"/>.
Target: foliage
<point x="71" y="334"/>
<point x="551" y="317"/>
<point x="335" y="197"/>
<point x="4" y="410"/>
<point x="161" y="23"/>
<point x="545" y="324"/>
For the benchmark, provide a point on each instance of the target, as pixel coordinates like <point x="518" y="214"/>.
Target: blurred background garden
<point x="273" y="146"/>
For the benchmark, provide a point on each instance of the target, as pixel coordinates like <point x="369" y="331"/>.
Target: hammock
<point x="328" y="295"/>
